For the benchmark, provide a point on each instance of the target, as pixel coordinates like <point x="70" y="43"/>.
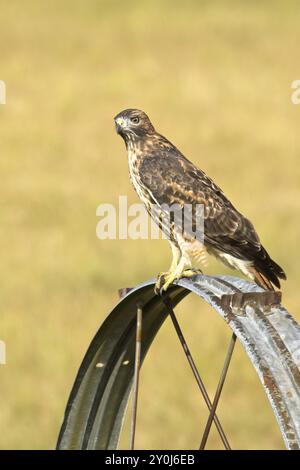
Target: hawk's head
<point x="133" y="123"/>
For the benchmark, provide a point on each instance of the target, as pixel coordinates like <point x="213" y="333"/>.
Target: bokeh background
<point x="215" y="77"/>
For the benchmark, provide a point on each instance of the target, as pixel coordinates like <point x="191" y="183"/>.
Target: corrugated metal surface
<point x="270" y="336"/>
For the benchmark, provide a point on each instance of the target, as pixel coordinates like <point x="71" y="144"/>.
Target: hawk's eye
<point x="135" y="120"/>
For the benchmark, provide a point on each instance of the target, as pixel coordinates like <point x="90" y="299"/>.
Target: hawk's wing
<point x="172" y="179"/>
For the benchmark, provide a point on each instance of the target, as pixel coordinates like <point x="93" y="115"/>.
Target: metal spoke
<point x="137" y="364"/>
<point x="218" y="392"/>
<point x="196" y="372"/>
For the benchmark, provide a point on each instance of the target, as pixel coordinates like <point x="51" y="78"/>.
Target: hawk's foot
<point x="191" y="272"/>
<point x="164" y="280"/>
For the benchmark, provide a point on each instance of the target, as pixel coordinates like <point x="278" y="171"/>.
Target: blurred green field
<point x="215" y="77"/>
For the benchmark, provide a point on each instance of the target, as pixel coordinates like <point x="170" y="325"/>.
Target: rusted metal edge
<point x="269" y="334"/>
<point x="262" y="300"/>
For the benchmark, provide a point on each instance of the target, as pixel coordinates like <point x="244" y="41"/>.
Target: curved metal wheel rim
<point x="270" y="336"/>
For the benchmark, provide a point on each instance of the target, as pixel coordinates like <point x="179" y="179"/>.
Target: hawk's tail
<point x="266" y="272"/>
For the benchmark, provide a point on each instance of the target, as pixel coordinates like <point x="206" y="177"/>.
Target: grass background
<point x="215" y="77"/>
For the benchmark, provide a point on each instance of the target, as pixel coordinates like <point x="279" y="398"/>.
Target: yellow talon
<point x="168" y="281"/>
<point x="164" y="280"/>
<point x="191" y="272"/>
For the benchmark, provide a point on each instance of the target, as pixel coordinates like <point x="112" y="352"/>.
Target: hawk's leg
<point x="161" y="278"/>
<point x="182" y="269"/>
<point x="176" y="253"/>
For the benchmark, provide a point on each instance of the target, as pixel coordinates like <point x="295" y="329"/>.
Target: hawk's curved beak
<point x="120" y="124"/>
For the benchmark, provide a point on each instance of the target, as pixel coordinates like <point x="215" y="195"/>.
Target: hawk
<point x="162" y="175"/>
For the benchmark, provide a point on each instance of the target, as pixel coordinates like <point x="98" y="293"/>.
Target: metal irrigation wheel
<point x="271" y="337"/>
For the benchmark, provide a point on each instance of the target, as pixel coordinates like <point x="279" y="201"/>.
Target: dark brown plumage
<point x="162" y="175"/>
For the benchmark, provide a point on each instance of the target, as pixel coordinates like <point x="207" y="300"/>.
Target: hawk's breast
<point x="133" y="156"/>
